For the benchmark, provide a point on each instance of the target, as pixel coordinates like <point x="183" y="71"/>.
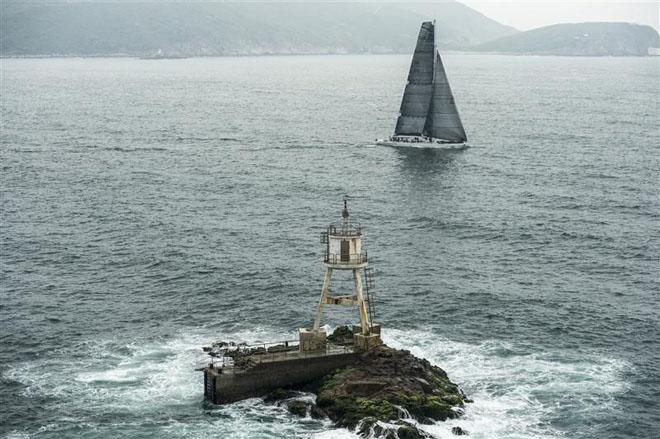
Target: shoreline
<point x="302" y="54"/>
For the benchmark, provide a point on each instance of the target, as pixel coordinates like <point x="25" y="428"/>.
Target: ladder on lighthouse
<point x="369" y="288"/>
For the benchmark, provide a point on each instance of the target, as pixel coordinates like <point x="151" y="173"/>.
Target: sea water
<point x="150" y="207"/>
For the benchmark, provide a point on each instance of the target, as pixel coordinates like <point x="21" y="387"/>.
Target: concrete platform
<point x="270" y="371"/>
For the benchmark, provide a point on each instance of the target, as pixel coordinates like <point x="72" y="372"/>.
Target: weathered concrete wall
<point x="224" y="388"/>
<point x="312" y="340"/>
<point x="367" y="342"/>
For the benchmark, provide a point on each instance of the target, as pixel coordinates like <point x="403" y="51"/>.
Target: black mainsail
<point x="417" y="96"/>
<point x="428" y="107"/>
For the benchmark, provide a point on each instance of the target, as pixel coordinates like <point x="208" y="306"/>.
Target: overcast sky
<point x="529" y="14"/>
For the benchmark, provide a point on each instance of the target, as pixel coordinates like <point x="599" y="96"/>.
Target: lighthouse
<point x="343" y="253"/>
<point x="257" y="369"/>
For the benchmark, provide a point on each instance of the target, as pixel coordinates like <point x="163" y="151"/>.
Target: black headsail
<point x="417" y="96"/>
<point x="443" y="121"/>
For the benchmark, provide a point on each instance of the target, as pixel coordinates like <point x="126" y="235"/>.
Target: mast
<point x="416" y="100"/>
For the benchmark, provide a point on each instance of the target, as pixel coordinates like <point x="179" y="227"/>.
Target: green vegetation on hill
<point x="163" y="29"/>
<point x="88" y="28"/>
<point x="580" y="39"/>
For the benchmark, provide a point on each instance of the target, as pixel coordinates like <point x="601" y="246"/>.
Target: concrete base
<point x="375" y="329"/>
<point x="367" y="342"/>
<point x="311" y="340"/>
<point x="226" y="386"/>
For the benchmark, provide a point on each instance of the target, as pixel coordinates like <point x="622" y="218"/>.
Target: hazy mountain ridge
<point x="194" y="29"/>
<point x="121" y="28"/>
<point x="579" y="39"/>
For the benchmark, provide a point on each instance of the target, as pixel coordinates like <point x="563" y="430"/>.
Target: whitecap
<point x="516" y="394"/>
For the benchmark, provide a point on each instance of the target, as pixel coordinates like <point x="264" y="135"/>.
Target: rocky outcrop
<point x="389" y="384"/>
<point x="382" y="395"/>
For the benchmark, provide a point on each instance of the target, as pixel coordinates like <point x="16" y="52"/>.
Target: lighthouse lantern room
<point x="343" y="252"/>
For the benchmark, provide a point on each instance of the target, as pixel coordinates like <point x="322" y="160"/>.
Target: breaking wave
<point x="517" y="393"/>
<point x="117" y="387"/>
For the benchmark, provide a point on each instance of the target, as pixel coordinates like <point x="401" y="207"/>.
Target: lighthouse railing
<point x="243" y="356"/>
<point x="329" y="349"/>
<point x="350" y="259"/>
<point x="345" y="229"/>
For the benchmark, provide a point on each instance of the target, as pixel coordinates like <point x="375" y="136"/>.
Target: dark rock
<point x="384" y="380"/>
<point x="298" y="408"/>
<point x="407" y="430"/>
<point x="366" y="386"/>
<point x="366" y="425"/>
<point x="458" y="431"/>
<point x="425" y="385"/>
<point x="286" y="398"/>
<point x="385" y="385"/>
<point x="316" y="413"/>
<point x="280" y="394"/>
<point x="401" y="430"/>
<point x="425" y="420"/>
<point x="382" y="433"/>
<point x="340" y="335"/>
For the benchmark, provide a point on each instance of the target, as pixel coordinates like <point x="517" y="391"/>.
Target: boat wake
<point x="425" y="145"/>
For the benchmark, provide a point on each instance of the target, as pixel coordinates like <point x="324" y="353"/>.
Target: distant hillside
<point x="93" y="28"/>
<point x="459" y="24"/>
<point x="582" y="39"/>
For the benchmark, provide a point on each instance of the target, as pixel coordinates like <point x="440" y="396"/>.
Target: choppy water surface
<point x="150" y="207"/>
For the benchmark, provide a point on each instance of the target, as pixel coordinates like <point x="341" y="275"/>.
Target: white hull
<point x="422" y="143"/>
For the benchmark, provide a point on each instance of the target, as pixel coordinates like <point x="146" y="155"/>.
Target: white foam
<point x="335" y="433"/>
<point x="155" y="378"/>
<point x="516" y="395"/>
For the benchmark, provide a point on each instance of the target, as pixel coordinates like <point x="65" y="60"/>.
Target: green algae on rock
<point x="387" y="384"/>
<point x="381" y="395"/>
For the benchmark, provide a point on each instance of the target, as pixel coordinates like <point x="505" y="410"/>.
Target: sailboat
<point x="428" y="116"/>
